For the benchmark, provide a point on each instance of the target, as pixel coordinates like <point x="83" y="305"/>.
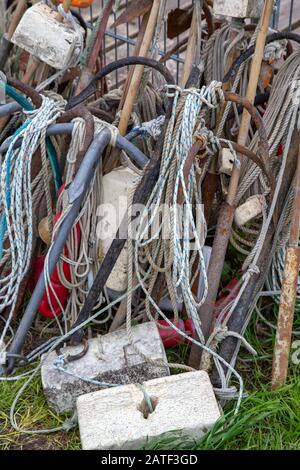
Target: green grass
<point x="267" y="419"/>
<point x="32" y="413"/>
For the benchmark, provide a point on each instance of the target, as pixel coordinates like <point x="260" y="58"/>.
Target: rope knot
<point x="176" y="90"/>
<point x="253" y="269"/>
<point x="59" y="361"/>
<point x="70" y="423"/>
<point x="220" y="333"/>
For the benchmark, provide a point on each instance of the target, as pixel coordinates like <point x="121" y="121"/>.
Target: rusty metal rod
<point x="288" y="294"/>
<point x="239" y="318"/>
<point x="223" y="230"/>
<point x="219" y="248"/>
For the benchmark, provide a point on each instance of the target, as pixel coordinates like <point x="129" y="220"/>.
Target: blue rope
<point x="3" y="224"/>
<point x="139" y="133"/>
<point x="22" y="101"/>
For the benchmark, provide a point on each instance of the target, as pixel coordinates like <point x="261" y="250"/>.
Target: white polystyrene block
<point x="117" y="187"/>
<point x="42" y="35"/>
<point x="248" y="211"/>
<point x="226" y="161"/>
<point x="239" y="8"/>
<point x="110" y="358"/>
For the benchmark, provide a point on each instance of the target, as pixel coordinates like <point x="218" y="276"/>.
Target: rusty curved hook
<point x="27" y="90"/>
<point x="263" y="146"/>
<point x="85" y="114"/>
<point x="74" y="357"/>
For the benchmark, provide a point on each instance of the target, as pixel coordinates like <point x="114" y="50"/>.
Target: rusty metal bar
<point x="240" y="317"/>
<point x="221" y="239"/>
<point x="288" y="294"/>
<point x="223" y="230"/>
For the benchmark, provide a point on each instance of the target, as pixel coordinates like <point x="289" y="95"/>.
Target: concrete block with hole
<point x="120" y="418"/>
<point x="109" y="359"/>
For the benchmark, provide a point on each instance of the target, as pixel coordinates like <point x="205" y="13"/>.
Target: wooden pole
<point x="94" y="45"/>
<point x="17" y="15"/>
<point x="32" y="66"/>
<point x="288" y="294"/>
<point x="139" y="69"/>
<point x="6" y="44"/>
<point x="229" y="61"/>
<point x="111" y="159"/>
<point x="136" y="52"/>
<point x="255" y="69"/>
<point x="191" y="50"/>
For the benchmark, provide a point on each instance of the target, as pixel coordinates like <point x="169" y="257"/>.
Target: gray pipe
<point x="67" y="128"/>
<point x="55" y="129"/>
<point x="9" y="108"/>
<point x="76" y="194"/>
<point x="59" y="129"/>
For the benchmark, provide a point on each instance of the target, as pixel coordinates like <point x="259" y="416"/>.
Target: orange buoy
<point x="79" y="3"/>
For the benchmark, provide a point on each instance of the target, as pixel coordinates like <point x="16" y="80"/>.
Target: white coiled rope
<point x="15" y="178"/>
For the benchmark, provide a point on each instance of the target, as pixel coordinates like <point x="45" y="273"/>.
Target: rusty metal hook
<point x="74" y="357"/>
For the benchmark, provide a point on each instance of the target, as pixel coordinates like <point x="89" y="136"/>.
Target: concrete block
<point x="119" y="418"/>
<point x="248" y="211"/>
<point x="110" y="358"/>
<point x="40" y="34"/>
<point x="239" y="8"/>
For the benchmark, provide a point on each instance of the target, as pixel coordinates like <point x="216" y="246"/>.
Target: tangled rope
<point x="16" y="201"/>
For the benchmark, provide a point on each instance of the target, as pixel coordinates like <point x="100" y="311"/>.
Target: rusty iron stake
<point x="223" y="230"/>
<point x="219" y="248"/>
<point x="288" y="294"/>
<point x="240" y="316"/>
<point x="94" y="48"/>
<point x="209" y="188"/>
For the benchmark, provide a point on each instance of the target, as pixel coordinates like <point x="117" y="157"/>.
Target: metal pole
<point x="288" y="294"/>
<point x="76" y="194"/>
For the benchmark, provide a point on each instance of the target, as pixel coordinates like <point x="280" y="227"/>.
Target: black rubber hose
<point x="91" y="88"/>
<point x="250" y="51"/>
<point x="79" y="18"/>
